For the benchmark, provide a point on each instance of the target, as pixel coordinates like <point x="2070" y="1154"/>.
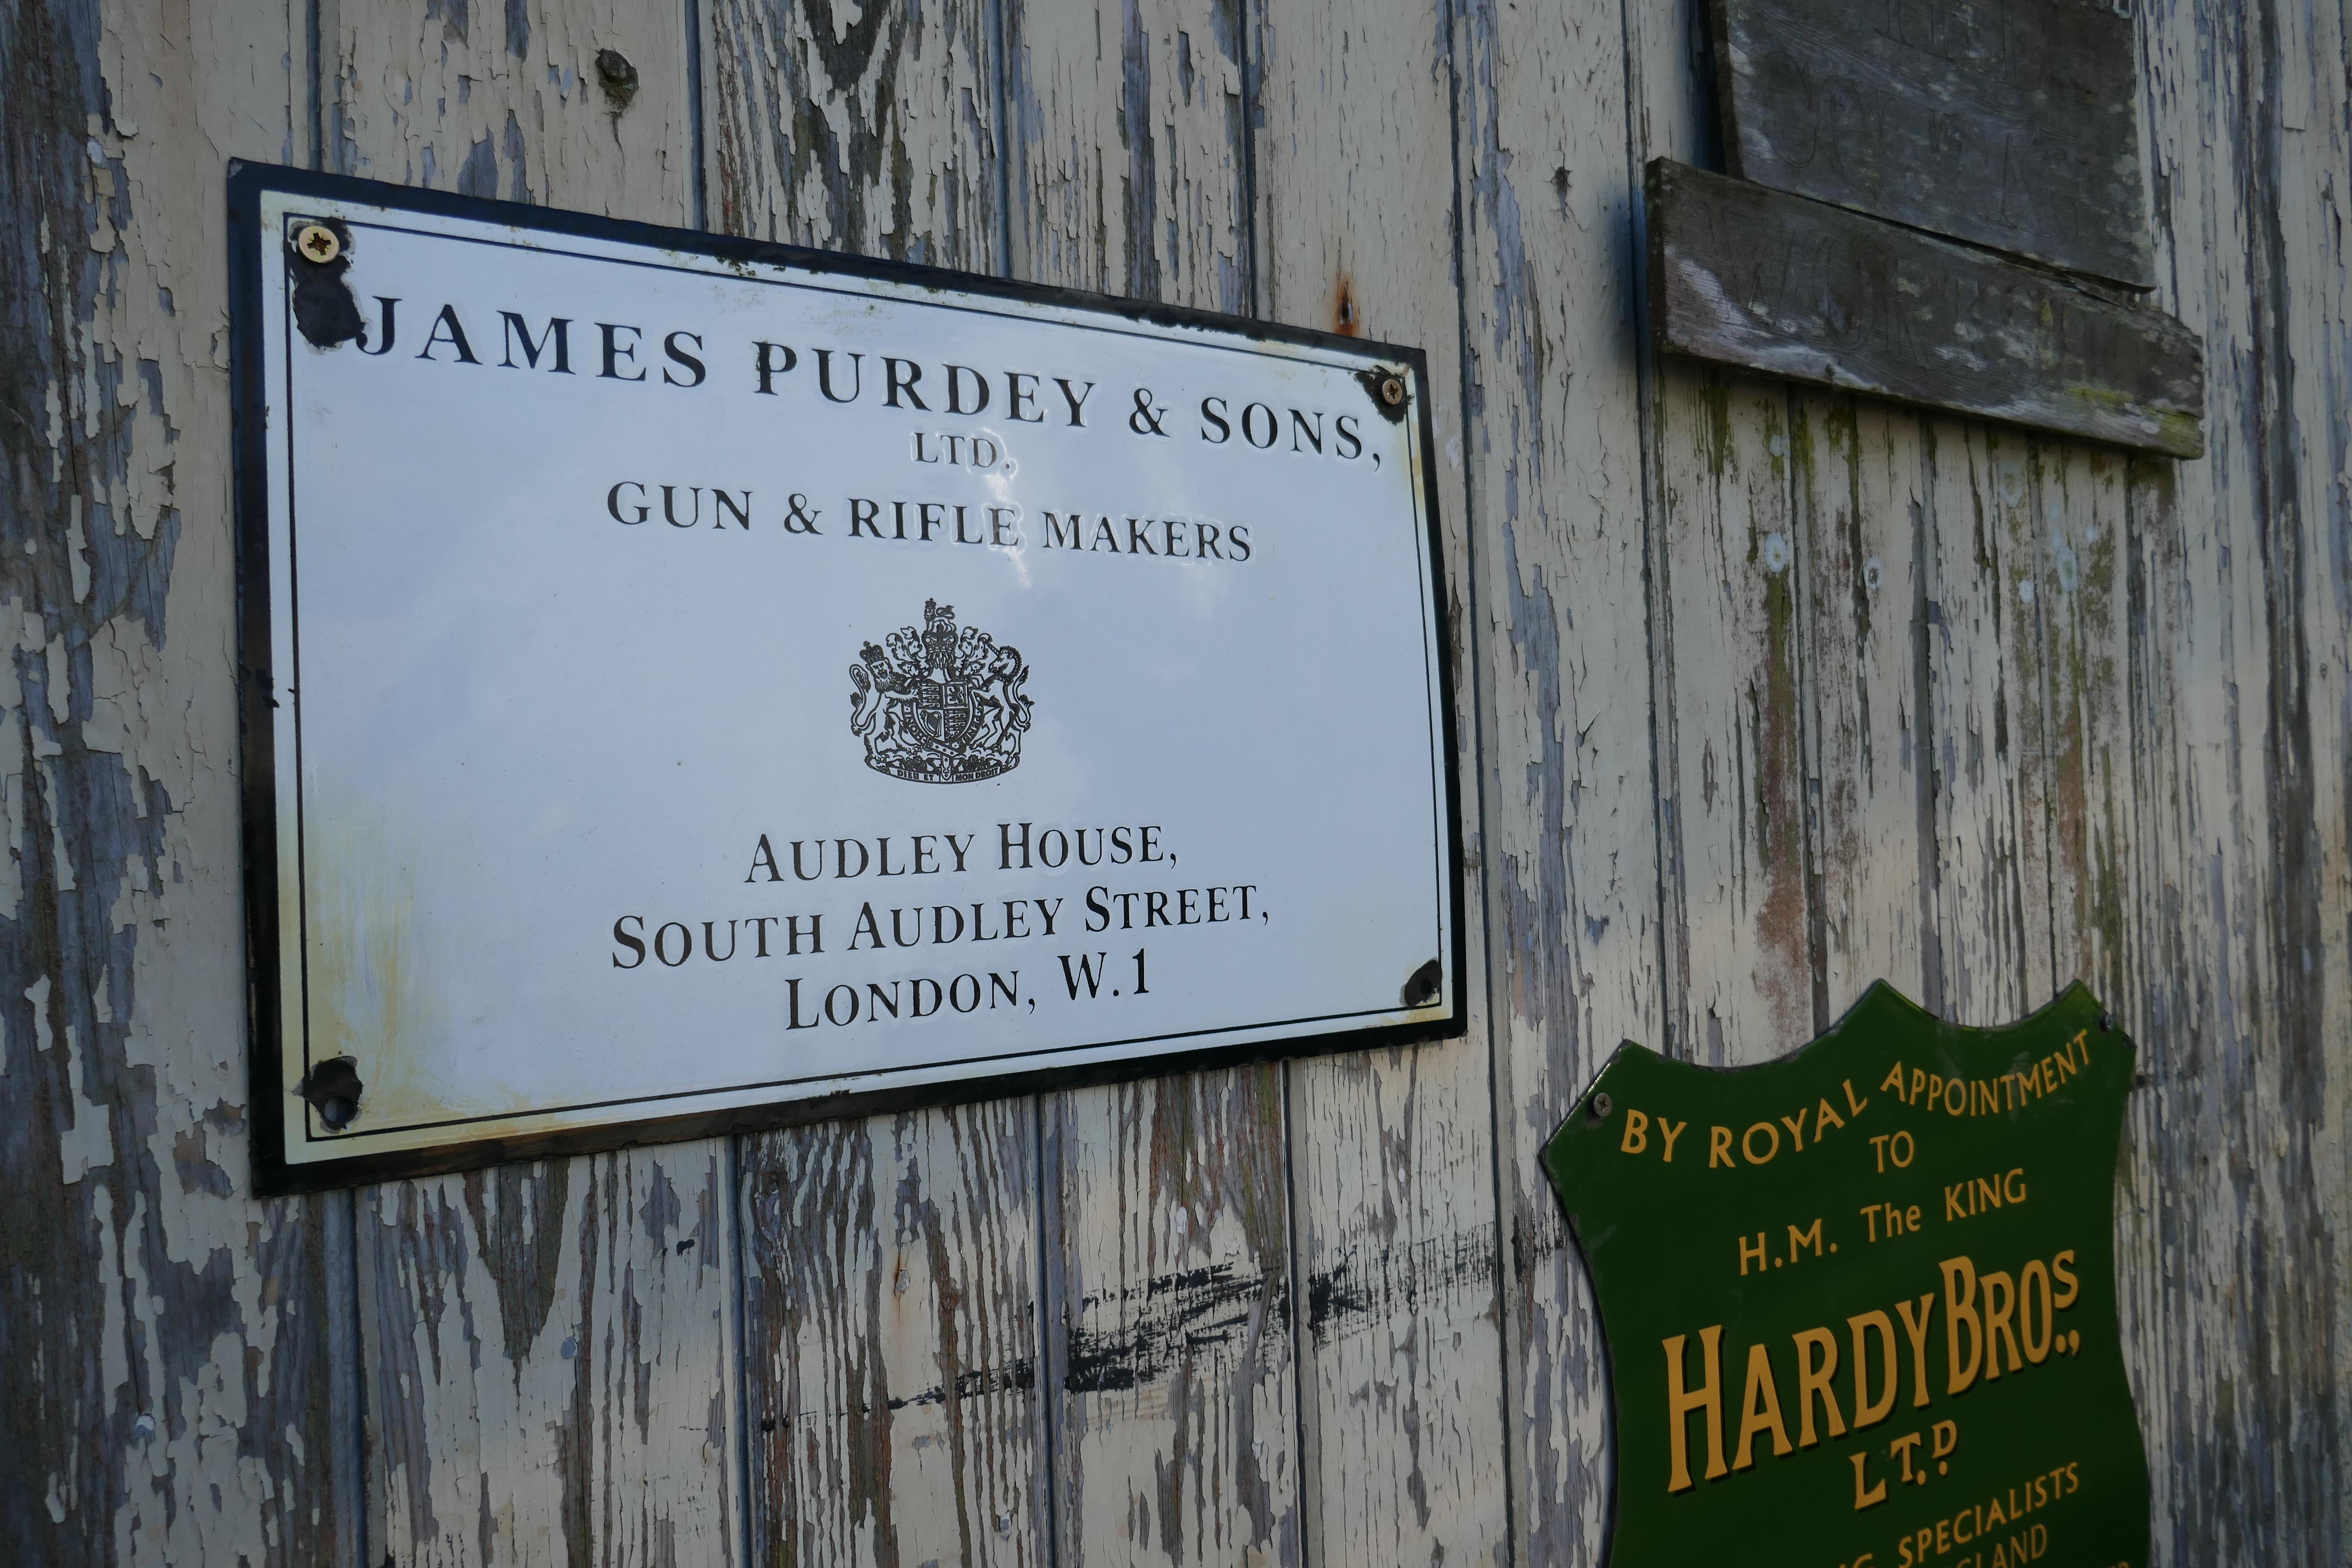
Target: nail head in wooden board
<point x="1751" y="277"/>
<point x="2004" y="123"/>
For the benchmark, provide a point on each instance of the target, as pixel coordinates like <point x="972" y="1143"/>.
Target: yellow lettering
<point x="1869" y="1496"/>
<point x="1869" y="1411"/>
<point x="1671" y="1131"/>
<point x="1954" y="1206"/>
<point x="2012" y="1185"/>
<point x="1798" y="1238"/>
<point x="1679" y="1405"/>
<point x="1718" y="1147"/>
<point x="1999" y="1307"/>
<point x="1813" y="1381"/>
<point x="1760" y="1411"/>
<point x="1826" y="1116"/>
<point x="2068" y="1288"/>
<point x="1857" y="1106"/>
<point x="1959" y="1311"/>
<point x="1894" y="1082"/>
<point x="1956" y="1098"/>
<point x="1914" y="1328"/>
<point x="1748" y="1143"/>
<point x="2033" y="1280"/>
<point x="1637" y="1132"/>
<point x="1759" y="1252"/>
<point x="1796" y="1124"/>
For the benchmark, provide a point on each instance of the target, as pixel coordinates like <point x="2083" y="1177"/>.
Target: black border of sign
<point x="258" y="705"/>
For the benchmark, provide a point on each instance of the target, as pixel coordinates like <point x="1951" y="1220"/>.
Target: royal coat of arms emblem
<point x="939" y="705"/>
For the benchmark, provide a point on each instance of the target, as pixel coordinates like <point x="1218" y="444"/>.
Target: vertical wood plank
<point x="1553" y="458"/>
<point x="163" y="1335"/>
<point x="549" y="1347"/>
<point x="2201" y="1036"/>
<point x="1130" y="149"/>
<point x="867" y="129"/>
<point x="1171" y="1359"/>
<point x="1856" y="474"/>
<point x="1390" y="1153"/>
<point x="1985" y="672"/>
<point x="2311" y="141"/>
<point x="1727" y="668"/>
<point x="891" y="1278"/>
<point x="1170" y="1298"/>
<point x="1731" y="742"/>
<point x="548" y="1351"/>
<point x="521" y="103"/>
<point x="890" y="1310"/>
<point x="2243" y="1309"/>
<point x="2078" y="555"/>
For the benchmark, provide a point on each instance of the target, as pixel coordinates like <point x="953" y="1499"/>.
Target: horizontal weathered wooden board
<point x="2006" y="123"/>
<point x="1755" y="277"/>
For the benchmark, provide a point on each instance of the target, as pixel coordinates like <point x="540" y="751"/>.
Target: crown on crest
<point x="939" y="632"/>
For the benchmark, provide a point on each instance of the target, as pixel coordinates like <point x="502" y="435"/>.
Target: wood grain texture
<point x="549" y="1348"/>
<point x="1744" y="275"/>
<point x="1390" y="1153"/>
<point x="1725" y="676"/>
<point x="1172" y="1351"/>
<point x="2006" y="123"/>
<point x="1170" y="1298"/>
<point x="548" y="1354"/>
<point x="892" y="1316"/>
<point x="522" y="103"/>
<point x="1992" y="885"/>
<point x="867" y="129"/>
<point x="2244" y="1263"/>
<point x="890" y="1309"/>
<point x="163" y="1335"/>
<point x="1553" y="461"/>
<point x="1731" y="746"/>
<point x="1130" y="153"/>
<point x="1855" y="469"/>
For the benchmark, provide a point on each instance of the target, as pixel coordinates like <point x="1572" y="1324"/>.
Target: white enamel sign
<point x="693" y="683"/>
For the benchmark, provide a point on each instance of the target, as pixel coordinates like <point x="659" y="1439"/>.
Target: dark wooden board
<point x="1755" y="277"/>
<point x="2005" y="122"/>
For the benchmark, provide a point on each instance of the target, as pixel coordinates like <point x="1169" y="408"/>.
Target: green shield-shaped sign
<point x="1860" y="1302"/>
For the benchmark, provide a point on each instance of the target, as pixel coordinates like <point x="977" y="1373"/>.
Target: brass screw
<point x="1392" y="392"/>
<point x="318" y="243"/>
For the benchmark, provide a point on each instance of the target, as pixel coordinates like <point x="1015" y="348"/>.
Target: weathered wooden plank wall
<point x="1766" y="693"/>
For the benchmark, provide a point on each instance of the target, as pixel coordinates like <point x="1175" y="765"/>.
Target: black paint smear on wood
<point x="2005" y="122"/>
<point x="1165" y="1321"/>
<point x="1751" y="277"/>
<point x="1370" y="1287"/>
